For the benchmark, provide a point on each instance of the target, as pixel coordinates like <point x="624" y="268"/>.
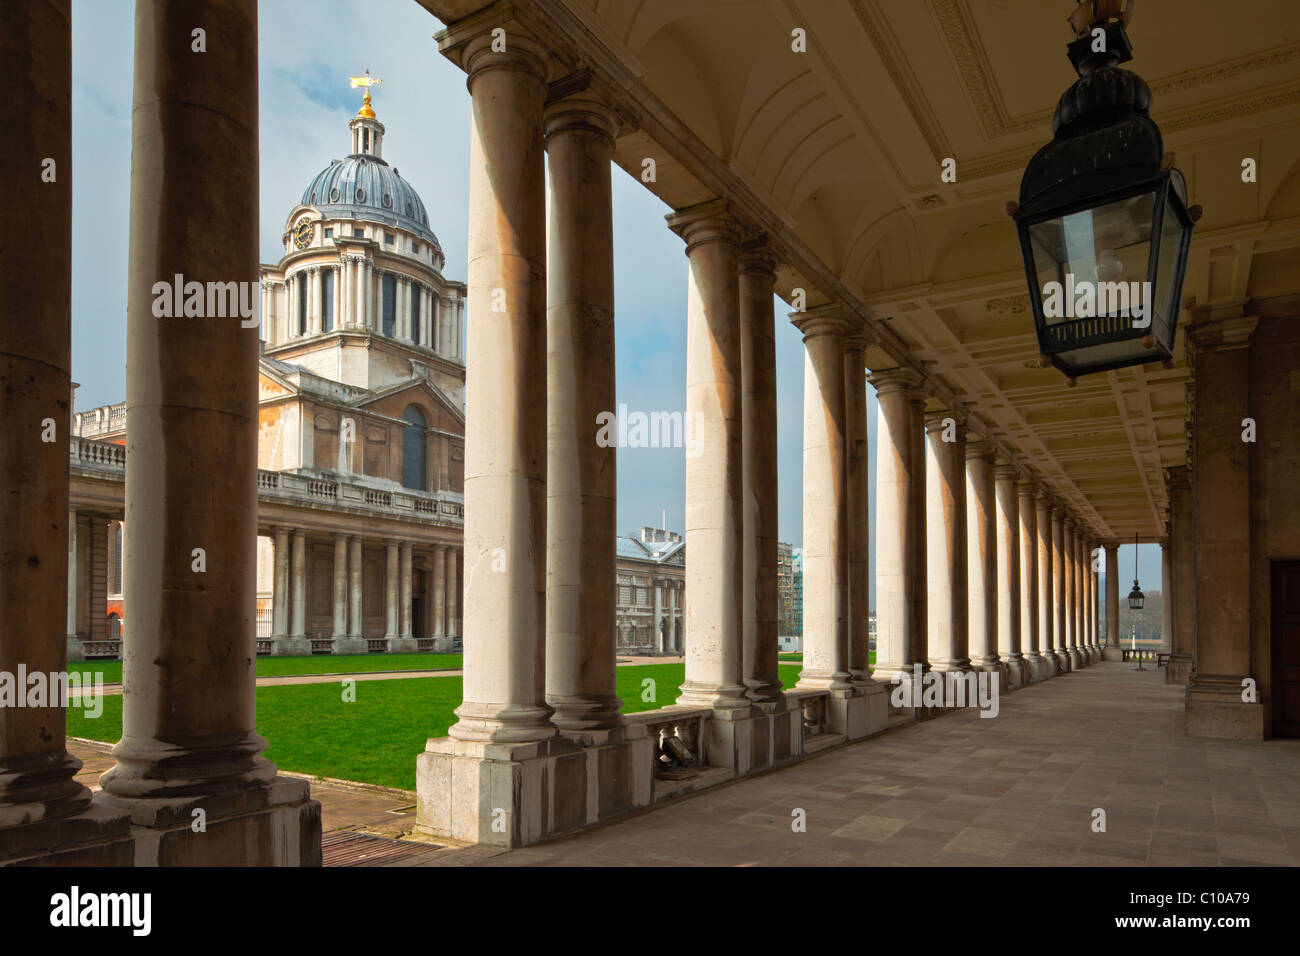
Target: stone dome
<point x="366" y="188"/>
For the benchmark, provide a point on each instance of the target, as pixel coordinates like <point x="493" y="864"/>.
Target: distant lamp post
<point x="1103" y="220"/>
<point x="1136" y="599"/>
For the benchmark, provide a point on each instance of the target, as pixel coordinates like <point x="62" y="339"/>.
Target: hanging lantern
<point x="1136" y="599"/>
<point x="1103" y="220"/>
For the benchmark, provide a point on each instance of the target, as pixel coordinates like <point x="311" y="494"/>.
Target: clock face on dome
<point x="303" y="230"/>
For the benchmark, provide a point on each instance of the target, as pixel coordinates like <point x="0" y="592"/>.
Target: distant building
<point x="651" y="592"/>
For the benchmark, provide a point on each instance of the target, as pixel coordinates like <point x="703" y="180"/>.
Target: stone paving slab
<point x="959" y="790"/>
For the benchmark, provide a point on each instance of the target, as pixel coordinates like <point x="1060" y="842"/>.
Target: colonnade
<point x="439" y="623"/>
<point x="1006" y="574"/>
<point x="88" y="579"/>
<point x="422" y="315"/>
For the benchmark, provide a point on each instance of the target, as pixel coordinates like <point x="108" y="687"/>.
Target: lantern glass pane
<point x="1094" y="262"/>
<point x="1173" y="235"/>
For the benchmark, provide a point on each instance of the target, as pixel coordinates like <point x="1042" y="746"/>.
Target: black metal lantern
<point x="1136" y="599"/>
<point x="1102" y="218"/>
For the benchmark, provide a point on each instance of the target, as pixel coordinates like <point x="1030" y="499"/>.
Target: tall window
<point x="327" y="300"/>
<point x="390" y="305"/>
<point x="413" y="449"/>
<point x="300" y="283"/>
<point x="416" y="296"/>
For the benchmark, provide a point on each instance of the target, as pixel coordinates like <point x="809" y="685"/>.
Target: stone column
<point x="759" y="482"/>
<point x="674" y="644"/>
<point x="296" y="642"/>
<point x="356" y="640"/>
<point x="1009" y="583"/>
<point x="337" y="304"/>
<point x="895" y="527"/>
<point x="581" y="472"/>
<point x="945" y="483"/>
<point x="1074" y="593"/>
<point x="1221" y="472"/>
<point x="1182" y="600"/>
<point x="1059" y="590"/>
<point x="1081" y="593"/>
<point x="279" y="588"/>
<point x="1166" y="593"/>
<point x="76" y="650"/>
<point x="188" y="722"/>
<point x="1094" y="602"/>
<point x="98" y="570"/>
<point x="441" y="633"/>
<point x="392" y="593"/>
<point x="1030" y="641"/>
<point x="44" y="810"/>
<point x="1046" y="607"/>
<point x="714" y="476"/>
<point x="316" y="313"/>
<point x="340" y="590"/>
<point x="453" y="594"/>
<point x="859" y="539"/>
<point x="981" y="557"/>
<point x="657" y="616"/>
<point x="503" y="753"/>
<point x="405" y="642"/>
<point x="1113" y="651"/>
<point x="919" y="636"/>
<point x="826" y="587"/>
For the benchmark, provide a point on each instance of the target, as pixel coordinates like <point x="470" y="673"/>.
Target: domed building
<point x="361" y="432"/>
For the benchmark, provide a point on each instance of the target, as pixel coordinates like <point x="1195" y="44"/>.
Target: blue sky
<point x="307" y="53"/>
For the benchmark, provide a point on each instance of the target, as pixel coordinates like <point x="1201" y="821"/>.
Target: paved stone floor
<point x="1017" y="789"/>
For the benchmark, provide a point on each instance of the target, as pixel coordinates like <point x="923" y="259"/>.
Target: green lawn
<point x="375" y="739"/>
<point x="323" y="664"/>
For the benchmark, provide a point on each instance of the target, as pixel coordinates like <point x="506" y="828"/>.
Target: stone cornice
<point x="1221" y="335"/>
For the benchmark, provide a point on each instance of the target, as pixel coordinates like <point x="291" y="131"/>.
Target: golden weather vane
<point x="367" y="81"/>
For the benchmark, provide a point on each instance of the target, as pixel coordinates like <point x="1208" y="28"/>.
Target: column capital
<point x="710" y="221"/>
<point x="891" y="380"/>
<point x="1068" y="522"/>
<point x="1179" y="477"/>
<point x="1005" y="470"/>
<point x="469" y="44"/>
<point x="829" y="319"/>
<point x="935" y="420"/>
<point x="757" y="256"/>
<point x="574" y="106"/>
<point x="1221" y="335"/>
<point x="1027" y="485"/>
<point x="979" y="448"/>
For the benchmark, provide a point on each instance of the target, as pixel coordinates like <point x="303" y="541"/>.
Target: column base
<point x="1077" y="660"/>
<point x="1015" y="673"/>
<point x="1179" y="669"/>
<point x="1063" y="663"/>
<point x="351" y="645"/>
<point x="93" y="837"/>
<point x="290" y="647"/>
<point x="444" y="645"/>
<point x="1112" y="652"/>
<point x="273" y="825"/>
<point x="1037" y="667"/>
<point x="1214" y="708"/>
<point x="76" y="649"/>
<point x="1094" y="653"/>
<point x="514" y="795"/>
<point x="402" y="645"/>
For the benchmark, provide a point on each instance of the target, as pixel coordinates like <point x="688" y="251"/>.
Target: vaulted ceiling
<point x="836" y="153"/>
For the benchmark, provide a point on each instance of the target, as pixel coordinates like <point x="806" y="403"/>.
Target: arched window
<point x="390" y="306"/>
<point x="414" y="473"/>
<point x="114" y="627"/>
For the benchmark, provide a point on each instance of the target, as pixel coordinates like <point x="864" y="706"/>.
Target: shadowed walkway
<point x="1018" y="789"/>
